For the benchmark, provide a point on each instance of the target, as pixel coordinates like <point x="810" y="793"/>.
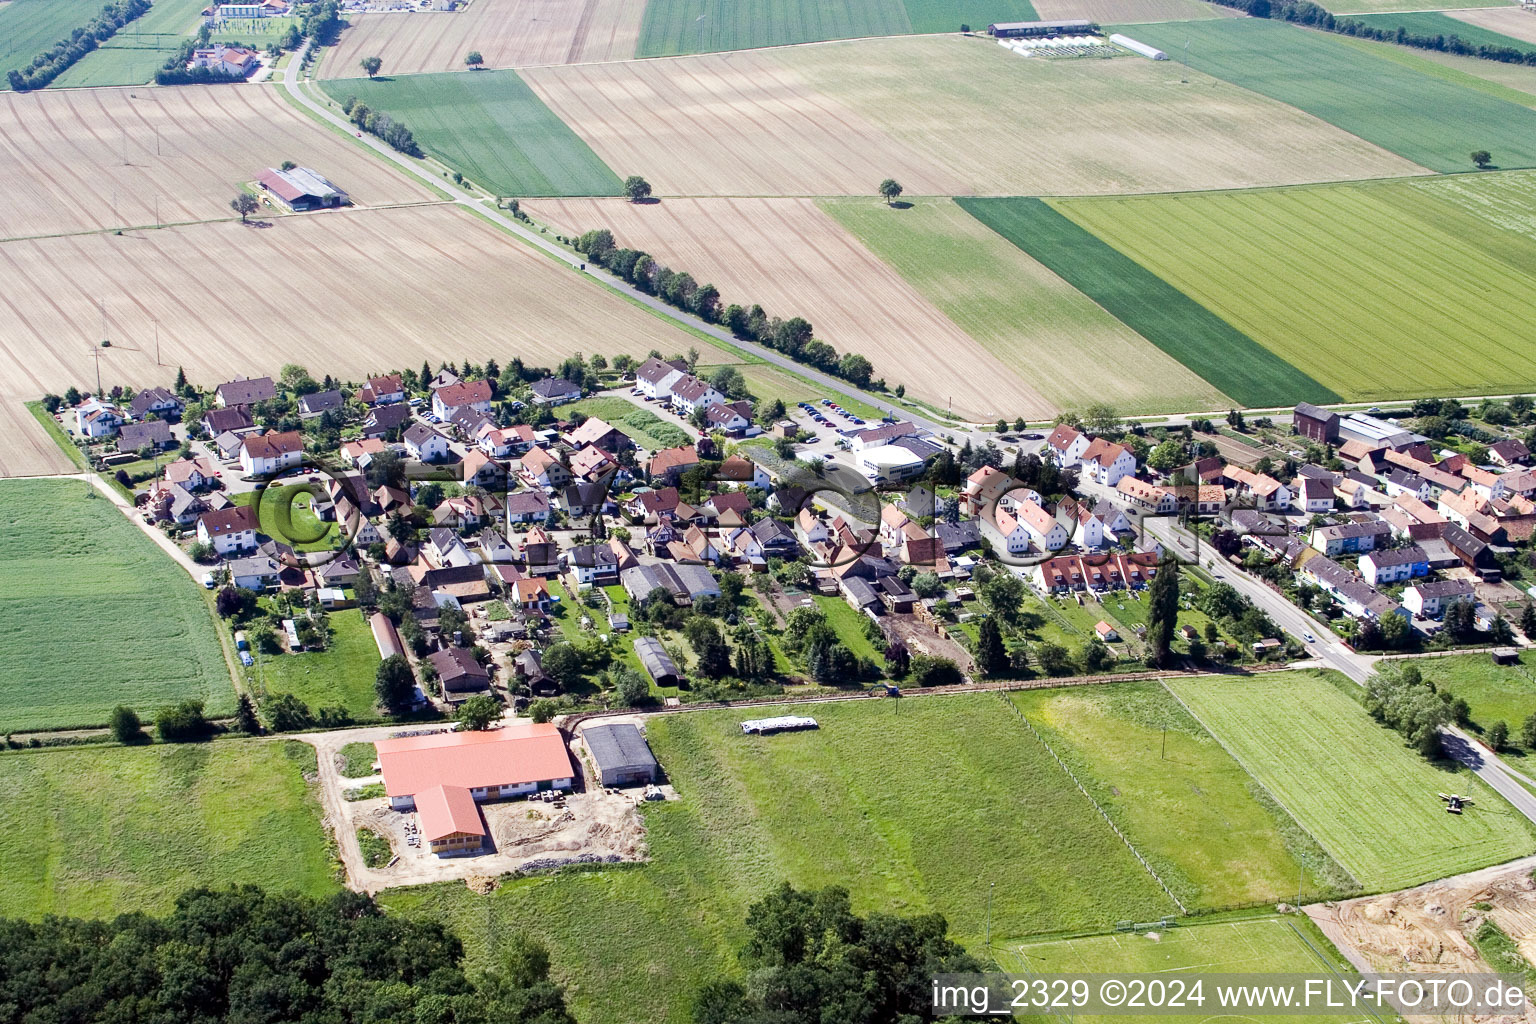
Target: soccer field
<point x="1369" y="800"/>
<point x="1376" y="290"/>
<point x="95" y="614"/>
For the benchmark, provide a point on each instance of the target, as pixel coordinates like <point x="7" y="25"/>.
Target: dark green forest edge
<point x="1231" y="361"/>
<point x="52" y="63"/>
<point x="246" y="955"/>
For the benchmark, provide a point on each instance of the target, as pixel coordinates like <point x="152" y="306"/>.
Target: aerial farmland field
<point x="31" y="449"/>
<point x="1184" y="329"/>
<point x="507" y="33"/>
<point x="1184" y="801"/>
<point x="1262" y="945"/>
<point x="1384" y="6"/>
<point x="1506" y="20"/>
<point x="93" y="160"/>
<point x="1366" y="797"/>
<point x="387" y="288"/>
<point x="119" y="621"/>
<point x="138" y="50"/>
<point x="836" y="118"/>
<point x="1445" y="23"/>
<point x="972" y="798"/>
<point x="28" y="27"/>
<point x="1374" y="290"/>
<point x="491" y="127"/>
<point x="1021" y="312"/>
<point x="795" y="260"/>
<point x="100" y="831"/>
<point x="1114" y="12"/>
<point x="1421" y="117"/>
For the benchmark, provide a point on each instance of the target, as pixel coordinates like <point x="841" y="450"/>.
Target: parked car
<point x="246" y="659"/>
<point x="208" y="581"/>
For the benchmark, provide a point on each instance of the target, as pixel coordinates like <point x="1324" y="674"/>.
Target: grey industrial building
<point x="622" y="756"/>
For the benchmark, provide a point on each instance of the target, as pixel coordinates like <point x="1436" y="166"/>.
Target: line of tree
<point x="56" y="60"/>
<point x="380" y="124"/>
<point x="243" y="954"/>
<point x="1304" y="12"/>
<point x="793" y="337"/>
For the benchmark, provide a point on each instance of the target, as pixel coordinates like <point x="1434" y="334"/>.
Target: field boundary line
<point x="1096" y="806"/>
<point x="1258" y="782"/>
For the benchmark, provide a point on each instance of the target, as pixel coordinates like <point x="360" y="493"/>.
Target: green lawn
<point x="342" y="674"/>
<point x="1187" y="805"/>
<point x="1373" y="289"/>
<point x="94" y="832"/>
<point x="914" y="805"/>
<point x="28" y="27"/>
<point x="358" y="759"/>
<point x="674" y="27"/>
<point x="1367" y="798"/>
<point x="1420" y="117"/>
<point x="645" y="427"/>
<point x="1266" y="945"/>
<point x="139" y="49"/>
<point x="1020" y="311"/>
<point x="1230" y="360"/>
<point x="60" y="438"/>
<point x="490" y="127"/>
<point x="95" y="614"/>
<point x="1495" y="693"/>
<point x="287" y="515"/>
<point x="850" y="626"/>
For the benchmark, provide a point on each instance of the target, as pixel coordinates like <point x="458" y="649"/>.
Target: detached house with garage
<point x="1107" y="463"/>
<point x="95" y="418"/>
<point x="424" y="444"/>
<point x="270" y="454"/>
<point x="656" y="377"/>
<point x="158" y="401"/>
<point x="1066" y="445"/>
<point x="555" y="391"/>
<point x="382" y="390"/>
<point x="691" y="393"/>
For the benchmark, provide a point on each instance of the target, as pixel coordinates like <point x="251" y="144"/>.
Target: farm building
<point x="622" y="756"/>
<point x="443" y="775"/>
<point x="1038" y="29"/>
<point x="658" y="663"/>
<point x="300" y="189"/>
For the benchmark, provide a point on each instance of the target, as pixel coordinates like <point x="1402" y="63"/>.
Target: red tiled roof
<point x="465" y="393"/>
<point x="448" y="810"/>
<point x="512" y="755"/>
<point x="271" y="446"/>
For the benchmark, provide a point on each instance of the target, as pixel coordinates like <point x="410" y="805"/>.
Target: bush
<point x="182" y="723"/>
<point x="927" y="670"/>
<point x="287" y="713"/>
<point x="125" y="725"/>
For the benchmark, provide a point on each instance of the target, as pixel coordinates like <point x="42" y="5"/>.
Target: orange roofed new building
<point x="511" y="761"/>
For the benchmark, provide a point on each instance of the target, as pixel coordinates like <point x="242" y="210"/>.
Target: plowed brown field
<point x="1511" y="21"/>
<point x="27" y="449"/>
<point x="508" y="33"/>
<point x="796" y="261"/>
<point x="343" y="293"/>
<point x="94" y="159"/>
<point x="943" y="115"/>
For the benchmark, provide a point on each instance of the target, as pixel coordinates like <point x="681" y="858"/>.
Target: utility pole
<point x="99" y="344"/>
<point x="157" y="342"/>
<point x="990" y="887"/>
<point x="1163" y="756"/>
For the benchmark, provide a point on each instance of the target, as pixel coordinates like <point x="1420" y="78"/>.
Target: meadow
<point x="1258" y="946"/>
<point x="99" y="831"/>
<point x="1495" y="693"/>
<point x="646" y="428"/>
<point x="1374" y="290"/>
<point x="972" y="799"/>
<point x="95" y="614"/>
<point x="490" y="127"/>
<point x="1367" y="798"/>
<point x="28" y="27"/>
<point x="836" y="118"/>
<point x="507" y="33"/>
<point x="1422" y="118"/>
<point x="342" y="674"/>
<point x="1230" y="360"/>
<point x="1187" y="805"/>
<point x="791" y="257"/>
<point x="1021" y="312"/>
<point x="139" y="49"/>
<point x="286" y="514"/>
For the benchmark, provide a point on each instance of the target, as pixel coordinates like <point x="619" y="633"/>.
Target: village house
<point x="1428" y="600"/>
<point x="542" y="468"/>
<point x="157" y="401"/>
<point x="320" y="402"/>
<point x="1148" y="497"/>
<point x="1316" y="494"/>
<point x="655" y="377"/>
<point x="194" y="473"/>
<point x="600" y="434"/>
<point x="592" y="564"/>
<point x="1392" y="565"/>
<point x="1107" y="463"/>
<point x="691" y="393"/>
<point x="385" y="390"/>
<point x="1350" y="538"/>
<point x="95" y="418"/>
<point x="555" y="391"/>
<point x="481" y="470"/>
<point x="1030" y="525"/>
<point x="982" y="490"/>
<point x="244" y="391"/>
<point x="360" y="453"/>
<point x="1267" y="493"/>
<point x="669" y="464"/>
<point x="1066" y="445"/>
<point x="731" y="418"/>
<point x="448" y="401"/>
<point x="425" y="444"/>
<point x="152" y="434"/>
<point x="1098" y="573"/>
<point x="386" y="420"/>
<point x="741" y="472"/>
<point x="527" y="507"/>
<point x="230" y="531"/>
<point x="270" y="454"/>
<point x="1509" y="453"/>
<point x="1358" y="598"/>
<point x="230" y="61"/>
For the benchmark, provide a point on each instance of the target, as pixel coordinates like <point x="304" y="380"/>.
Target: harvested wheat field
<point x="1510" y="21"/>
<point x="96" y="159"/>
<point x="1433" y="927"/>
<point x="796" y="261"/>
<point x="348" y="292"/>
<point x="508" y="33"/>
<point x="1131" y="12"/>
<point x="944" y="115"/>
<point x="28" y="449"/>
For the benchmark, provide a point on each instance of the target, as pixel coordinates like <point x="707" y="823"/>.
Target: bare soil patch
<point x="794" y="259"/>
<point x="28" y="450"/>
<point x="1511" y="21"/>
<point x="99" y="159"/>
<point x="508" y="34"/>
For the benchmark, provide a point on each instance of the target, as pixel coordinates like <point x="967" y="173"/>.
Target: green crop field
<point x="1495" y="693"/>
<point x="1426" y="119"/>
<point x="1367" y="798"/>
<point x="94" y="614"/>
<point x="673" y="27"/>
<point x="28" y="27"/>
<point x="1263" y="946"/>
<point x="1378" y="290"/>
<point x="1020" y="311"/>
<point x="342" y="674"/>
<point x="1378" y="6"/>
<point x="139" y="49"/>
<point x="1189" y="808"/>
<point x="1433" y="23"/>
<point x="491" y="128"/>
<point x="94" y="832"/>
<point x="1196" y="336"/>
<point x="913" y="805"/>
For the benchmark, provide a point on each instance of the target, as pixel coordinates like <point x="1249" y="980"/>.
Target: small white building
<point x="1428" y="600"/>
<point x="424" y="444"/>
<point x="95" y="418"/>
<point x="270" y="454"/>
